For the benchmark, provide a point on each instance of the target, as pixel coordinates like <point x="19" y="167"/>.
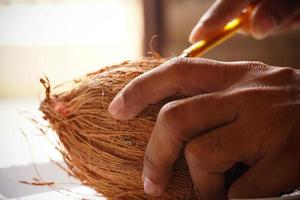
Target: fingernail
<point x="264" y="26"/>
<point x="116" y="105"/>
<point x="150" y="188"/>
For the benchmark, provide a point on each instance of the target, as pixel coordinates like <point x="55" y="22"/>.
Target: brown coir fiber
<point x="104" y="153"/>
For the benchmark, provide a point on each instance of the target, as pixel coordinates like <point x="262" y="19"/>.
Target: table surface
<point x="19" y="154"/>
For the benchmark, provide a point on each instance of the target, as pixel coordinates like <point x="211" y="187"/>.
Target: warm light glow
<point x="232" y="24"/>
<point x="199" y="44"/>
<point x="65" y="41"/>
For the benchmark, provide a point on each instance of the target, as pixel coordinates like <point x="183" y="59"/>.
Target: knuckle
<point x="264" y="76"/>
<point x="254" y="66"/>
<point x="286" y="73"/>
<point x="201" y="153"/>
<point x="170" y="114"/>
<point x="282" y="76"/>
<point x="177" y="61"/>
<point x="151" y="162"/>
<point x="280" y="73"/>
<point x="186" y="71"/>
<point x="177" y="64"/>
<point x="196" y="157"/>
<point x="192" y="156"/>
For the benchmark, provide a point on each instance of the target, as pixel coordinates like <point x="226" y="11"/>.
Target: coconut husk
<point x="100" y="151"/>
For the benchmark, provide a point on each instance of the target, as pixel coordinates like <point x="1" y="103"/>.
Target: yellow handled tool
<point x="214" y="39"/>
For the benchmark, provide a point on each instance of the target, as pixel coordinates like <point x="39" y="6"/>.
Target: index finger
<point x="186" y="75"/>
<point x="215" y="18"/>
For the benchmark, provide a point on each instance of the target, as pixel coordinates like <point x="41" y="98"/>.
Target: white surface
<point x="17" y="154"/>
<point x="14" y="149"/>
<point x="78" y="193"/>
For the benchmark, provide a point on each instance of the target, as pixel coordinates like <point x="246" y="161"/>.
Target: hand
<point x="268" y="17"/>
<point x="237" y="112"/>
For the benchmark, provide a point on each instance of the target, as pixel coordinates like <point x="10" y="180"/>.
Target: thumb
<point x="270" y="15"/>
<point x="219" y="14"/>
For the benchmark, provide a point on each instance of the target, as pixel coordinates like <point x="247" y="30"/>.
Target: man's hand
<point x="237" y="112"/>
<point x="268" y="17"/>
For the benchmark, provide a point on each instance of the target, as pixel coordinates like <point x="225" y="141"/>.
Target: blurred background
<point x="64" y="39"/>
<point x="67" y="38"/>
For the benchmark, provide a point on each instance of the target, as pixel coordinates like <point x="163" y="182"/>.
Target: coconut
<point x="100" y="151"/>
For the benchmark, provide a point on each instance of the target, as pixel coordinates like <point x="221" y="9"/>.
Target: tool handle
<point x="214" y="39"/>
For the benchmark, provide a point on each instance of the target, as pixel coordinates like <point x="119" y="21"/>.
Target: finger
<point x="215" y="150"/>
<point x="219" y="14"/>
<point x="177" y="123"/>
<point x="270" y="15"/>
<point x="268" y="177"/>
<point x="186" y="75"/>
<point x="209" y="156"/>
<point x="210" y="186"/>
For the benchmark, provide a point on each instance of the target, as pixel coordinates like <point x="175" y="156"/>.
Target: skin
<point x="268" y="17"/>
<point x="236" y="112"/>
